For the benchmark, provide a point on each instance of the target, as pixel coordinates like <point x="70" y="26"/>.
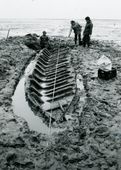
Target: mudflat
<point x="91" y="140"/>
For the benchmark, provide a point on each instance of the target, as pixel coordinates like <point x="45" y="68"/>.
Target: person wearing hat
<point x="76" y="27"/>
<point x="87" y="32"/>
<point x="44" y="40"/>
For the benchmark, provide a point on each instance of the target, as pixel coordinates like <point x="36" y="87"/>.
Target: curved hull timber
<point x="51" y="86"/>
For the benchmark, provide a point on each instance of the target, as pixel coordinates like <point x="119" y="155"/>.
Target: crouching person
<point x="87" y="32"/>
<point x="44" y="40"/>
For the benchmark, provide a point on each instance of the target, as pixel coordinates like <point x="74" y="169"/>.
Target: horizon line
<point x="61" y="18"/>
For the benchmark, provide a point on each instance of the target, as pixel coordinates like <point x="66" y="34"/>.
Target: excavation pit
<point x="22" y="109"/>
<point x="46" y="90"/>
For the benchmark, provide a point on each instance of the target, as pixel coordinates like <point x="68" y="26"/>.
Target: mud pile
<point x="91" y="140"/>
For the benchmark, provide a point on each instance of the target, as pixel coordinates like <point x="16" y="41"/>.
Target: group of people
<point x="77" y="29"/>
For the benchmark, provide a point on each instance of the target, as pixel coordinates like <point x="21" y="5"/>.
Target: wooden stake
<point x="8" y="33"/>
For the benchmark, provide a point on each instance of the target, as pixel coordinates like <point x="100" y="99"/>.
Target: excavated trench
<point x="22" y="109"/>
<point x="46" y="90"/>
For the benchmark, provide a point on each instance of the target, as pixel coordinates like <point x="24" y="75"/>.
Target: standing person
<point x="76" y="27"/>
<point x="44" y="40"/>
<point x="87" y="32"/>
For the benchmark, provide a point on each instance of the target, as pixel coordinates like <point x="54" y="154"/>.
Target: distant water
<point x="103" y="29"/>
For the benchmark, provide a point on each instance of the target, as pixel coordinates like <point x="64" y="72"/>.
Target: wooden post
<point x="8" y="33"/>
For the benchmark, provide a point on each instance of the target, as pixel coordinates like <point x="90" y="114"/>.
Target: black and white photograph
<point x="60" y="84"/>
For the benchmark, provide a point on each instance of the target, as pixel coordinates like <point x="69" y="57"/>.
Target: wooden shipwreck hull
<point x="51" y="86"/>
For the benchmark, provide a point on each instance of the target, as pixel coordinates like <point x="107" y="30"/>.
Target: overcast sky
<point x="96" y="9"/>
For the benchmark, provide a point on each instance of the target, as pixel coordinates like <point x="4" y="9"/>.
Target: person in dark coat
<point x="44" y="40"/>
<point x="76" y="27"/>
<point x="87" y="32"/>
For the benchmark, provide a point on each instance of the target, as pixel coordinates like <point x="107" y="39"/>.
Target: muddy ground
<point x="92" y="139"/>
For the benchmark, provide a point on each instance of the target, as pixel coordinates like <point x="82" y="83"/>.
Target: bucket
<point x="107" y="74"/>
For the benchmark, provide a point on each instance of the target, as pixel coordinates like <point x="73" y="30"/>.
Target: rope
<point x="50" y="120"/>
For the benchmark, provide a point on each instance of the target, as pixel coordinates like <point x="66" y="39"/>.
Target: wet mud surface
<point x="92" y="138"/>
